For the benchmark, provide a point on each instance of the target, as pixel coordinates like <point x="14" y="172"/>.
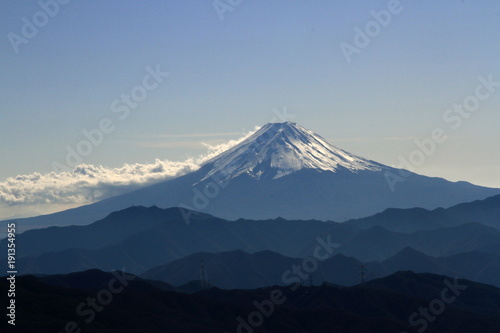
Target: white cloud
<point x="217" y="149"/>
<point x="88" y="183"/>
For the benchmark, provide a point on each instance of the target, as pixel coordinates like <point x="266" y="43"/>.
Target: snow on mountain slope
<point x="279" y="149"/>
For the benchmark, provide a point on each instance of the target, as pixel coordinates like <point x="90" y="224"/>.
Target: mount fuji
<point x="283" y="170"/>
<point x="280" y="149"/>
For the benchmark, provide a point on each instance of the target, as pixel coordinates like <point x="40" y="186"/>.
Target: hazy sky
<point x="232" y="68"/>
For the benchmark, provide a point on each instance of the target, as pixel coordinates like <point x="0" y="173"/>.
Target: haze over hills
<point x="140" y="238"/>
<point x="483" y="211"/>
<point x="240" y="270"/>
<point x="282" y="170"/>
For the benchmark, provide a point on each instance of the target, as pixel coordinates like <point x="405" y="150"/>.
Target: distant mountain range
<point x="141" y="238"/>
<point x="385" y="305"/>
<point x="285" y="170"/>
<point x="486" y="212"/>
<point x="240" y="270"/>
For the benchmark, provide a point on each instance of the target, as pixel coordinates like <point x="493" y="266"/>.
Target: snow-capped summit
<point x="279" y="149"/>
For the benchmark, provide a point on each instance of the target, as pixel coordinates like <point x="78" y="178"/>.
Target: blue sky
<point x="227" y="76"/>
